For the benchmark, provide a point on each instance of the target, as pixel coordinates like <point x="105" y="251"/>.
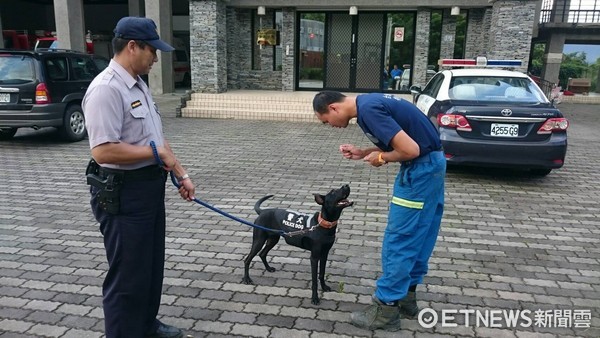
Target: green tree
<point x="314" y="16"/>
<point x="573" y="65"/>
<point x="460" y="37"/>
<point x="537" y="59"/>
<point x="435" y="38"/>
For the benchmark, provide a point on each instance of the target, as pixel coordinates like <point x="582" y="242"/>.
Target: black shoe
<point x="166" y="331"/>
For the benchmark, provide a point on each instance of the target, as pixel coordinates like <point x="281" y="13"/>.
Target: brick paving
<point x="508" y="240"/>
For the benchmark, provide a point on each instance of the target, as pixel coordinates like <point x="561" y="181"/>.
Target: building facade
<point x="347" y="46"/>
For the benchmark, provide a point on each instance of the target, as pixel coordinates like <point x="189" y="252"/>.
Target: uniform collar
<point x="123" y="74"/>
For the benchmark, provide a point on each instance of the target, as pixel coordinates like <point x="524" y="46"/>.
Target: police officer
<point x="403" y="134"/>
<point x="127" y="186"/>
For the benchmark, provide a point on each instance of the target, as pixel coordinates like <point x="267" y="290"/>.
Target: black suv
<point x="44" y="88"/>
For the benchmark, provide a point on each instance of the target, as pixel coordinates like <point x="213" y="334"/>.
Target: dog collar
<point x="325" y="223"/>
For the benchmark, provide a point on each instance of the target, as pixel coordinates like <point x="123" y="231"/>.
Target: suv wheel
<point x="7" y="133"/>
<point x="73" y="128"/>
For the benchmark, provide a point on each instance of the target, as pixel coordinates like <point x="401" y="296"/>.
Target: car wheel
<point x="7" y="133"/>
<point x="540" y="172"/>
<point x="73" y="128"/>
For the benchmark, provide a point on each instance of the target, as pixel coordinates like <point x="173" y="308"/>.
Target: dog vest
<point x="294" y="220"/>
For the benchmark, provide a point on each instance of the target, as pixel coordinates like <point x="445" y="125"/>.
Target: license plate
<point x="4" y="97"/>
<point x="504" y="130"/>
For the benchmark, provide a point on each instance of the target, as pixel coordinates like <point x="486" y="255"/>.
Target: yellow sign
<point x="268" y="37"/>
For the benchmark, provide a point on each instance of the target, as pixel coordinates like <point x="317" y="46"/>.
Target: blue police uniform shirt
<point x="382" y="116"/>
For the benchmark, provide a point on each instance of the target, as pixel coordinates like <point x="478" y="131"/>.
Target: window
<point x="56" y="69"/>
<point x="492" y="88"/>
<point x="101" y="63"/>
<point x="16" y="69"/>
<point x="433" y="87"/>
<point x="83" y="68"/>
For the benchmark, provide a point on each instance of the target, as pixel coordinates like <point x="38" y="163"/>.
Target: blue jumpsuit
<point x="417" y="203"/>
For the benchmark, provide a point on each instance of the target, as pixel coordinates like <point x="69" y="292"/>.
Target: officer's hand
<point x="351" y="152"/>
<point x="167" y="157"/>
<point x="373" y="159"/>
<point x="187" y="190"/>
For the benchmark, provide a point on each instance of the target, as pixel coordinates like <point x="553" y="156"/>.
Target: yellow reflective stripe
<point x="407" y="203"/>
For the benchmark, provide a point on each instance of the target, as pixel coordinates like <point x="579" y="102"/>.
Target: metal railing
<point x="545" y="85"/>
<point x="578" y="11"/>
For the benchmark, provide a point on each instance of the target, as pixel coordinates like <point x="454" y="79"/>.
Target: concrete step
<point x="254" y="105"/>
<point x="248" y="113"/>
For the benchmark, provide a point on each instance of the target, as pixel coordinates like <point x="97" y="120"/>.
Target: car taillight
<point x="554" y="124"/>
<point x="41" y="94"/>
<point x="458" y="122"/>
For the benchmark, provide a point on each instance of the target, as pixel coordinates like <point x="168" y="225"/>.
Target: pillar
<point x="553" y="57"/>
<point x="161" y="76"/>
<point x="448" y="35"/>
<point x="419" y="69"/>
<point x="511" y="30"/>
<point x="70" y="26"/>
<point x="136" y="7"/>
<point x="208" y="45"/>
<point x="288" y="41"/>
<point x="475" y="45"/>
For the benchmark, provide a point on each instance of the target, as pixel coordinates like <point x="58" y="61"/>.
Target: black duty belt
<point x="150" y="172"/>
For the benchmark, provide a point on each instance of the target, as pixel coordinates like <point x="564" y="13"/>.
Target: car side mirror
<point x="415" y="90"/>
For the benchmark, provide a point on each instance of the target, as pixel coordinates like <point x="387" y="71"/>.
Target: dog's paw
<point x="247" y="280"/>
<point x="316" y="301"/>
<point x="270" y="269"/>
<point x="325" y="288"/>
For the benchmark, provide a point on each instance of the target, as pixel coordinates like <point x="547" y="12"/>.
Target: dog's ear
<point x="320" y="199"/>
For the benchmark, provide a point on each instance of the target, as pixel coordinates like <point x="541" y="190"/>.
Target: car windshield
<point x="492" y="88"/>
<point x="16" y="69"/>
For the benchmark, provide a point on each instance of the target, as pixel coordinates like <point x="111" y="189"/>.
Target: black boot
<point x="377" y="316"/>
<point x="408" y="305"/>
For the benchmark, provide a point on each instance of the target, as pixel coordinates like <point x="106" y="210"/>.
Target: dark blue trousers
<point x="134" y="240"/>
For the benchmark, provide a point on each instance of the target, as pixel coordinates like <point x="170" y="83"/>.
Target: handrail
<point x="555" y="11"/>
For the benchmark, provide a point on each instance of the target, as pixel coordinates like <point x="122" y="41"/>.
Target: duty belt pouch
<point x="109" y="187"/>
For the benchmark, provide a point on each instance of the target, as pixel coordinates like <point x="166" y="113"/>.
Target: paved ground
<point x="509" y="241"/>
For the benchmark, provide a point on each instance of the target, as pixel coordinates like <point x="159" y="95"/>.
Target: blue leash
<point x="215" y="209"/>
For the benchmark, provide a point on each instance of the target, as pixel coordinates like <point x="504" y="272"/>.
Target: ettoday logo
<point x="497" y="318"/>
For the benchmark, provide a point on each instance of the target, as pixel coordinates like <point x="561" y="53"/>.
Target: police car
<point x="493" y="117"/>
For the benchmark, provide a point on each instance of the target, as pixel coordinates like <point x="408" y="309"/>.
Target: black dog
<point x="319" y="240"/>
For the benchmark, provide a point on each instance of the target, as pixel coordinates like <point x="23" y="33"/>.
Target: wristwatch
<point x="185" y="176"/>
<point x="380" y="158"/>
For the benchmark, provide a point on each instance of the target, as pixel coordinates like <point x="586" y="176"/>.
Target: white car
<point x="494" y="117"/>
<point x="404" y="83"/>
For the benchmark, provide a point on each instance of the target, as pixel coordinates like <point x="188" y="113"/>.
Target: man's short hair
<point x="119" y="44"/>
<point x="323" y="99"/>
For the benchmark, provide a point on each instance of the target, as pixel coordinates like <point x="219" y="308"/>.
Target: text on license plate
<point x="504" y="130"/>
<point x="4" y="97"/>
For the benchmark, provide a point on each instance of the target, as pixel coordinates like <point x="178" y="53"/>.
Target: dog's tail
<point x="259" y="202"/>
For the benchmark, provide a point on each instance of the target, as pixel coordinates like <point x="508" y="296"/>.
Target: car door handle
<point x="83" y="88"/>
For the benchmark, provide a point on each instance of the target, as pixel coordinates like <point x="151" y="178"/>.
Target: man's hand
<point x="187" y="190"/>
<point x="374" y="159"/>
<point x="167" y="157"/>
<point x="351" y="152"/>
